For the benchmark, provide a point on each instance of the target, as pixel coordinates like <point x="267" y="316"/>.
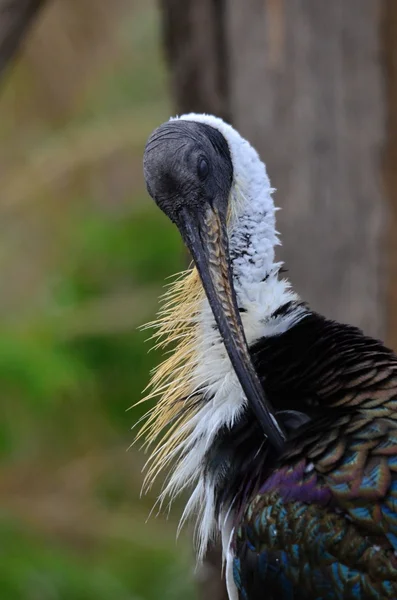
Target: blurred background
<point x="84" y="252"/>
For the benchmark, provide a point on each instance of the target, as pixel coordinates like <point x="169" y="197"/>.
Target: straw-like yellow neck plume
<point x="197" y="389"/>
<point x="172" y="383"/>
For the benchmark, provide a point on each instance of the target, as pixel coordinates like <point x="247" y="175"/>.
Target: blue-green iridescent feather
<point x="323" y="524"/>
<point x="325" y="530"/>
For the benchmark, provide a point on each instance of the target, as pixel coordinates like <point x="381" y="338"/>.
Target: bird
<point x="280" y="423"/>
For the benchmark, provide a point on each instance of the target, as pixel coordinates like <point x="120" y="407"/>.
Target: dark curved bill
<point x="206" y="237"/>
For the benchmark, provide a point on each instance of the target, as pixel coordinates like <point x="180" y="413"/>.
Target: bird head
<point x="194" y="167"/>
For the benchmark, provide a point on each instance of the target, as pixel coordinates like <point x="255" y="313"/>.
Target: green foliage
<point x="105" y="252"/>
<point x="121" y="570"/>
<point x="81" y="268"/>
<point x="37" y="369"/>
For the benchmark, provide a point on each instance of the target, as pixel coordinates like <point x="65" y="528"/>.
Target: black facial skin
<point x="187" y="165"/>
<point x="189" y="173"/>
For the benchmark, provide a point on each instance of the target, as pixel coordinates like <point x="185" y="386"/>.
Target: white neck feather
<point x="252" y="239"/>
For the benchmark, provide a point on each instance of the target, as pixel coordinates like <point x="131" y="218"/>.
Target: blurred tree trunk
<point x="303" y="81"/>
<point x="16" y="17"/>
<point x="306" y="90"/>
<point x="390" y="53"/>
<point x="196" y="49"/>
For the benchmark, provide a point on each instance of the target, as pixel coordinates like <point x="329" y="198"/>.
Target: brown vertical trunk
<point x="306" y="89"/>
<point x="194" y="43"/>
<point x="211" y="585"/>
<point x="16" y="17"/>
<point x="390" y="53"/>
<point x="303" y="81"/>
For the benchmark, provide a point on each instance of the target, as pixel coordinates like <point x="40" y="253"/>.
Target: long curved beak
<point x="204" y="233"/>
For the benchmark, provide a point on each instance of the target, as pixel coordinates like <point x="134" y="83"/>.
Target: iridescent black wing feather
<point x="323" y="524"/>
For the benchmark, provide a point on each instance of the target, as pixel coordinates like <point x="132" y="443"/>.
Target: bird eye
<point x="203" y="169"/>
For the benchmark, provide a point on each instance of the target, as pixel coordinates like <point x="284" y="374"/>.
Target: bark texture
<point x="195" y="47"/>
<point x="390" y="55"/>
<point x="303" y="81"/>
<point x="306" y="90"/>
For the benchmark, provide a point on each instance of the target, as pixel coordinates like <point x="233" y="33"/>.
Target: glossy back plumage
<point x="323" y="524"/>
